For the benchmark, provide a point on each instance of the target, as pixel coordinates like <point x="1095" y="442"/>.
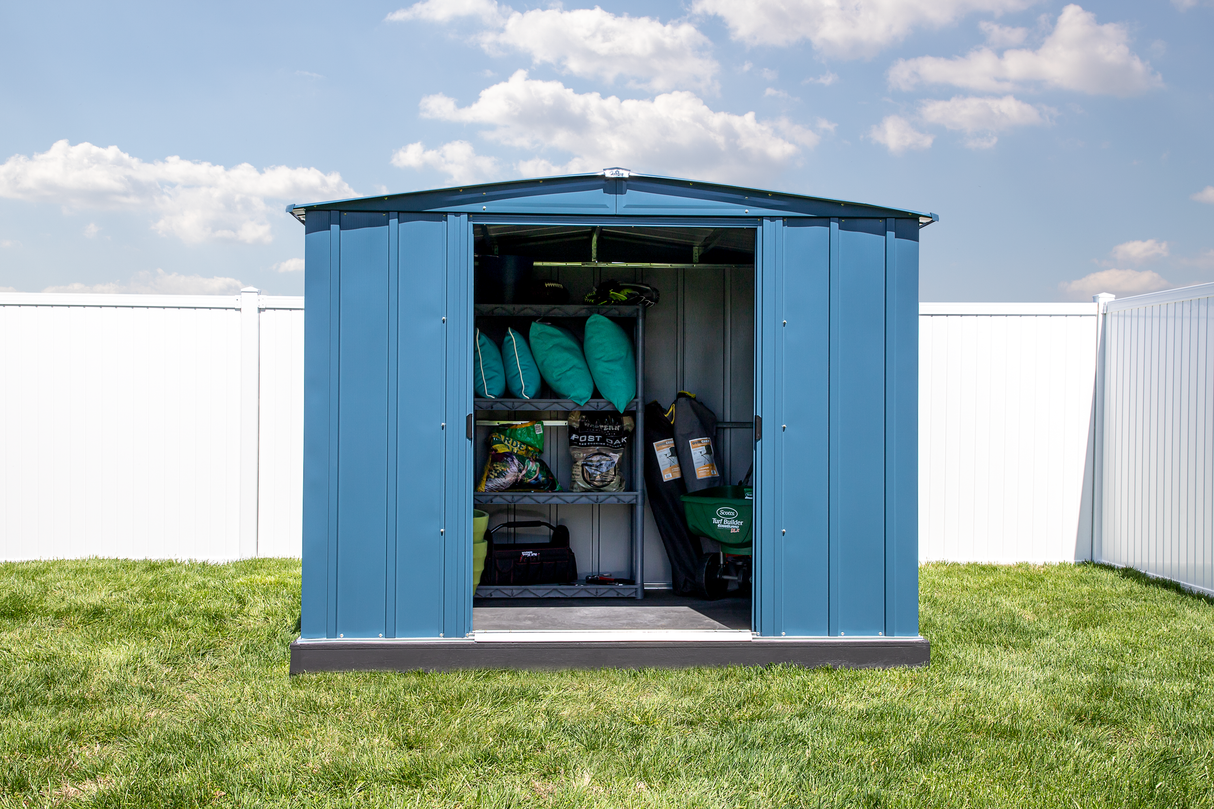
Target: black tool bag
<point x="523" y="563"/>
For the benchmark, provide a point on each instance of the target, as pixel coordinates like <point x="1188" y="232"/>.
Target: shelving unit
<point x="634" y="498"/>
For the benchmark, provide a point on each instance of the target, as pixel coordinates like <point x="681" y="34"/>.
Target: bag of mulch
<point x="526" y="438"/>
<point x="514" y="460"/>
<point x="509" y="471"/>
<point x="597" y="442"/>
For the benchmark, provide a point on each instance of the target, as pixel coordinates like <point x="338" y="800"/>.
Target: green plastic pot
<point x="480" y="545"/>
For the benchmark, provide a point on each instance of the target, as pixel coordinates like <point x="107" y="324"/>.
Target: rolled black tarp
<point x="664" y="486"/>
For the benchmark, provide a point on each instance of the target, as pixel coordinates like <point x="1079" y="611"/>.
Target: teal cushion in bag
<point x="611" y="360"/>
<point x="488" y="376"/>
<point x="522" y="374"/>
<point x="561" y="362"/>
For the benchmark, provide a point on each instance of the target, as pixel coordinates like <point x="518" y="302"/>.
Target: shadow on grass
<point x="1153" y="581"/>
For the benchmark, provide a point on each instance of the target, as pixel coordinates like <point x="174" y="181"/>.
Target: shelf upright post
<point x="638" y="460"/>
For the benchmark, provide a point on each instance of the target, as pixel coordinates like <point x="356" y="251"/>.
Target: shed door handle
<point x="758" y="427"/>
<point x="470" y="427"/>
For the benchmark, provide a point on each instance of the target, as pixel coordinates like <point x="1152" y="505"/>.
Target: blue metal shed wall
<point x="388" y="468"/>
<point x="836" y="522"/>
<point x="382" y="372"/>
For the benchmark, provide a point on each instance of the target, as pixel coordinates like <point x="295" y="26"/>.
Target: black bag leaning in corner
<point x="524" y="563"/>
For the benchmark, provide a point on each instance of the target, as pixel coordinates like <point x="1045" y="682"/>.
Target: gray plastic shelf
<point x="540" y="405"/>
<point x="558" y="498"/>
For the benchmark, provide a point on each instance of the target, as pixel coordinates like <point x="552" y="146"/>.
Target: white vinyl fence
<point x="1005" y="438"/>
<point x="146" y="426"/>
<point x="1155" y="508"/>
<point x="172" y="427"/>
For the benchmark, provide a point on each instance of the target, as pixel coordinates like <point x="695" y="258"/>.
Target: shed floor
<point x="658" y="610"/>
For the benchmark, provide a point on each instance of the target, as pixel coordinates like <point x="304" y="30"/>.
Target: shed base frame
<point x="527" y="651"/>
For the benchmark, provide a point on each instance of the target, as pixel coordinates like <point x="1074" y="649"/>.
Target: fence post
<point x="1097" y="551"/>
<point x="250" y="380"/>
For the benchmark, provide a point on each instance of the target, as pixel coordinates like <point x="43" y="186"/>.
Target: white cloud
<point x="1079" y="54"/>
<point x="457" y="159"/>
<point x="826" y="79"/>
<point x="195" y="201"/>
<point x="674" y="133"/>
<point x="8" y="289"/>
<point x="290" y="265"/>
<point x="772" y="92"/>
<point x="590" y="43"/>
<point x="1137" y="252"/>
<point x="898" y="135"/>
<point x="159" y="283"/>
<point x="91" y="230"/>
<point x="823" y="125"/>
<point x="1203" y="259"/>
<point x="981" y="118"/>
<point x="1118" y="282"/>
<point x="1002" y="36"/>
<point x="6" y="243"/>
<point x="845" y="29"/>
<point x="487" y="11"/>
<point x="1205" y="195"/>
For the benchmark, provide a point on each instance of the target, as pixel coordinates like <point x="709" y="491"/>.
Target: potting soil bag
<point x="663" y="489"/>
<point x="695" y="429"/>
<point x="522" y="374"/>
<point x="514" y="460"/>
<point x="506" y="471"/>
<point x="597" y="442"/>
<point x="488" y="376"/>
<point x="525" y="438"/>
<point x="611" y="361"/>
<point x="561" y="362"/>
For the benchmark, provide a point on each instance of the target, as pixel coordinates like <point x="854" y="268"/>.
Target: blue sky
<point x="152" y="148"/>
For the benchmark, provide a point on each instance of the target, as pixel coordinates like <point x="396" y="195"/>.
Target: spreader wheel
<point x="708" y="577"/>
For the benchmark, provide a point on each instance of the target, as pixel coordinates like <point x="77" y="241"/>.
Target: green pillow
<point x="612" y="361"/>
<point x="488" y="376"/>
<point x="522" y="374"/>
<point x="559" y="357"/>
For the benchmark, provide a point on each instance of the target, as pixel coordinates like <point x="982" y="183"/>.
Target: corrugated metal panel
<point x="119" y="427"/>
<point x="280" y="432"/>
<point x="1005" y="439"/>
<point x="1157" y="470"/>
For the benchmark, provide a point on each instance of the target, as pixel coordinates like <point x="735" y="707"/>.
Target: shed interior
<point x="699" y="338"/>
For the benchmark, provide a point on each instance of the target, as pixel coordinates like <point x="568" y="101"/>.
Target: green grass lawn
<point x="162" y="684"/>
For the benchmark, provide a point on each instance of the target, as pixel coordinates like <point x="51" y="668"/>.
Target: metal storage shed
<point x="822" y="315"/>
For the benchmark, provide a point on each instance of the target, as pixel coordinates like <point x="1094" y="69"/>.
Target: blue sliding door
<point x="792" y="588"/>
<point x="376" y="435"/>
<point x="836" y="517"/>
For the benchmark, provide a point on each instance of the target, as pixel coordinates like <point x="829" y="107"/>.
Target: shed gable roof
<point x="607" y="194"/>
